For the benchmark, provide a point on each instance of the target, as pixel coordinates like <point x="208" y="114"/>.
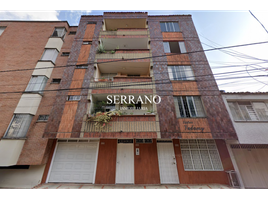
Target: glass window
<point x="2" y="28"/>
<point x="189" y="106"/>
<point x="50" y="54"/>
<point x="169" y="26"/>
<point x="59" y="32"/>
<point x="37" y="84"/>
<point x="42" y="117"/>
<point x="180" y="73"/>
<point x="174" y="47"/>
<point x="19" y="126"/>
<point x="249" y="111"/>
<point x="200" y="155"/>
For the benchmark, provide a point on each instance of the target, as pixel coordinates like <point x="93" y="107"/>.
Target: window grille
<point x="200" y="155"/>
<point x="249" y="111"/>
<point x="189" y="106"/>
<point x="180" y="73"/>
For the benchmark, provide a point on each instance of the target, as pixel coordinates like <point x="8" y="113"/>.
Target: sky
<point x="237" y="69"/>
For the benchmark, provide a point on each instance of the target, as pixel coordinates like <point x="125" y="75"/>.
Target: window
<point x="37" y="84"/>
<point x="174" y="47"/>
<point x="199" y="155"/>
<point x="56" y="80"/>
<point x="43" y="118"/>
<point x="2" y="28"/>
<point x="87" y="42"/>
<point x="81" y="67"/>
<point x="19" y="126"/>
<point x="65" y="53"/>
<point x="72" y="33"/>
<point x="139" y="141"/>
<point x="189" y="106"/>
<point x="180" y="73"/>
<point x="249" y="111"/>
<point x="74" y="98"/>
<point x="169" y="26"/>
<point x="50" y="54"/>
<point x="59" y="32"/>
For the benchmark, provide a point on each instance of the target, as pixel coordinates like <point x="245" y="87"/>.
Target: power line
<point x="258" y="21"/>
<point x="123" y="60"/>
<point x="160" y="82"/>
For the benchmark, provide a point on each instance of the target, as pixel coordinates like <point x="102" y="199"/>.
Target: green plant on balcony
<point x="102" y="119"/>
<point x="101" y="48"/>
<point x="113" y="51"/>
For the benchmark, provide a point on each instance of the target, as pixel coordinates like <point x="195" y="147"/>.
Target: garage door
<point x="74" y="162"/>
<point x="252" y="161"/>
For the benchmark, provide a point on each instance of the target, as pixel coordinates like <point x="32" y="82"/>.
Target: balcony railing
<point x="124" y="126"/>
<point x="123" y="32"/>
<point x="125" y="54"/>
<point x="106" y="84"/>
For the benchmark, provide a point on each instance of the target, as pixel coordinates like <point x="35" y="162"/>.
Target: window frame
<point x="53" y="60"/>
<point x="178" y="71"/>
<point x="25" y="123"/>
<point x="4" y="28"/>
<point x="245" y="115"/>
<point x="168" y="28"/>
<point x="42" y="120"/>
<point x="181" y="47"/>
<point x="183" y="113"/>
<point x="63" y="36"/>
<point x="74" y="98"/>
<point x="186" y="145"/>
<point x="31" y="89"/>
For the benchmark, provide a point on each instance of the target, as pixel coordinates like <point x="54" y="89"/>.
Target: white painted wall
<point x="28" y="104"/>
<point x="248" y="132"/>
<point x="47" y="72"/>
<point x="21" y="178"/>
<point x="54" y="43"/>
<point x="9" y="152"/>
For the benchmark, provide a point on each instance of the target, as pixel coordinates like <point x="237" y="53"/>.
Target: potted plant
<point x="101" y="48"/>
<point x="102" y="119"/>
<point x="149" y="112"/>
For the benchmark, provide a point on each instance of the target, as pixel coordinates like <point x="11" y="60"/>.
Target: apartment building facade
<point x="31" y="54"/>
<point x="131" y="58"/>
<point x="173" y="123"/>
<point x="249" y="114"/>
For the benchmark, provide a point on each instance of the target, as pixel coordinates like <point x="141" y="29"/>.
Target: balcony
<point x="122" y="83"/>
<point x="123" y="54"/>
<point x="114" y="24"/>
<point x="127" y="126"/>
<point x="125" y="32"/>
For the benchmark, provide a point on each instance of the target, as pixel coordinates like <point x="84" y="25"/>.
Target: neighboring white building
<point x="249" y="114"/>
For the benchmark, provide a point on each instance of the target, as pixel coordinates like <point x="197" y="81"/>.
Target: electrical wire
<point x="258" y="21"/>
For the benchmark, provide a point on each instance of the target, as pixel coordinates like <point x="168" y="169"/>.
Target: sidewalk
<point x="91" y="186"/>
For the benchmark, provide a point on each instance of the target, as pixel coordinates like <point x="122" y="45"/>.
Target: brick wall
<point x="217" y="116"/>
<point x="22" y="51"/>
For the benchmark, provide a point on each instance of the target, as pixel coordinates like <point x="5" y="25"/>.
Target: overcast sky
<point x="216" y="28"/>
